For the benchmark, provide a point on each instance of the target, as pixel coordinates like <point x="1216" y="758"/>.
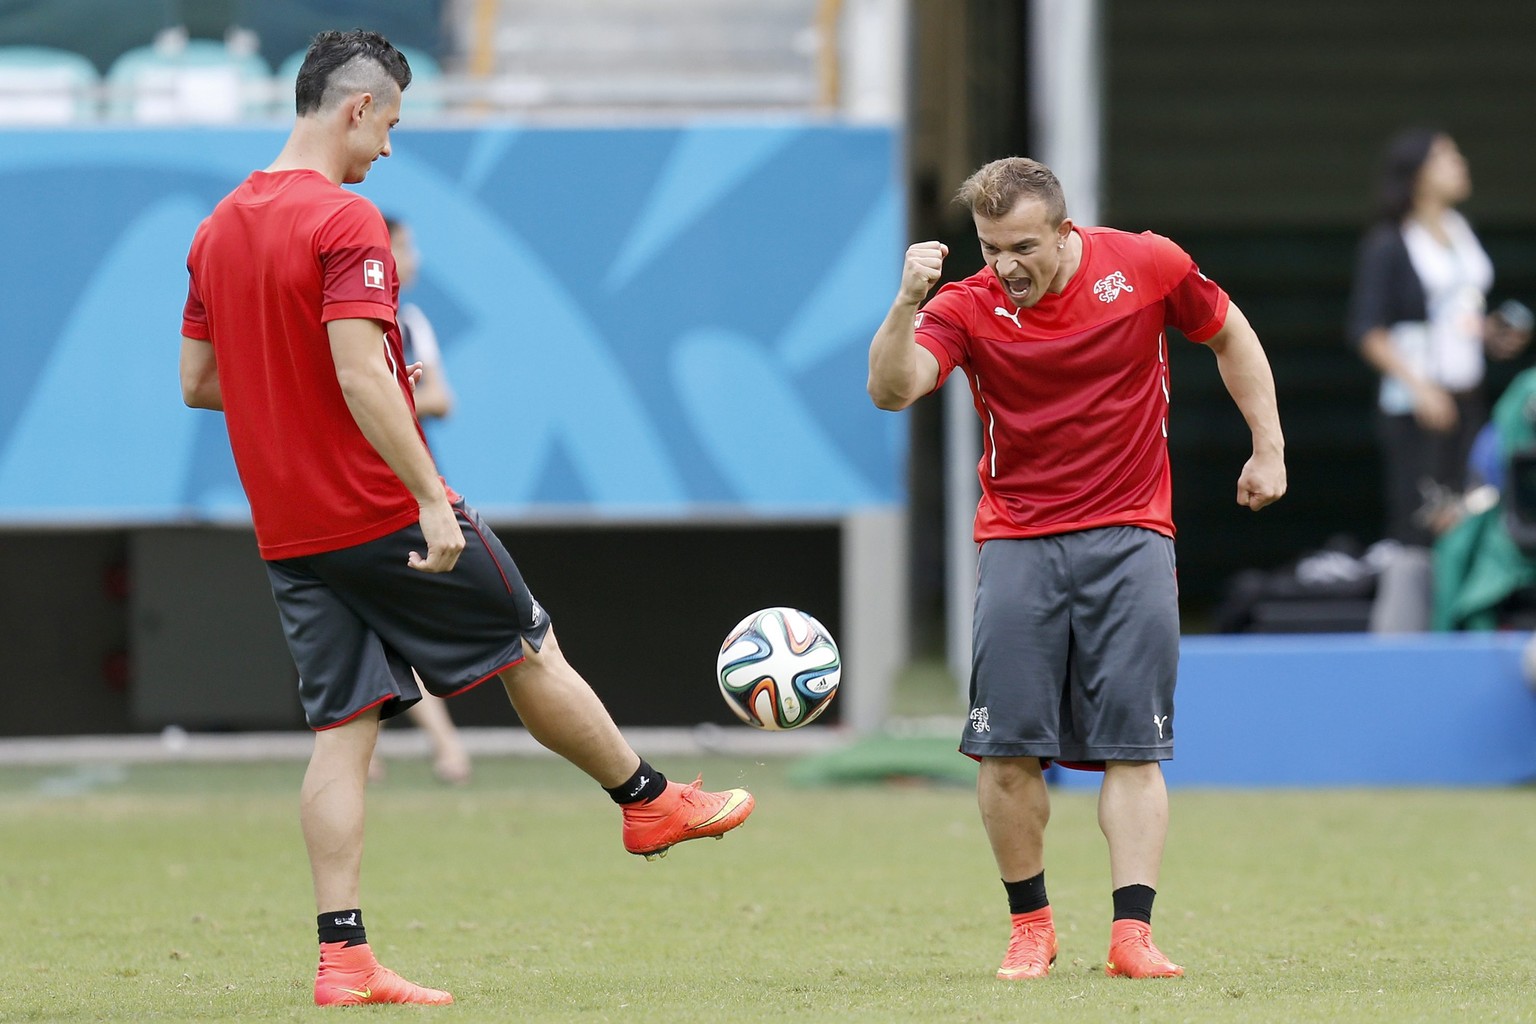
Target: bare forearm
<point x="209" y="397"/>
<point x="433" y="397"/>
<point x="1252" y="386"/>
<point x="1245" y="371"/>
<point x="200" y="376"/>
<point x="1377" y="350"/>
<point x="381" y="413"/>
<point x="901" y="371"/>
<point x="893" y="374"/>
<point x="1249" y="380"/>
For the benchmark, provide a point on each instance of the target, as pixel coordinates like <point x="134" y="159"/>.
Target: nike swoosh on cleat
<point x="737" y="798"/>
<point x="361" y="993"/>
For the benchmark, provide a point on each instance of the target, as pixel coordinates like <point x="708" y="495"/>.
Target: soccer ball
<point x="779" y="669"/>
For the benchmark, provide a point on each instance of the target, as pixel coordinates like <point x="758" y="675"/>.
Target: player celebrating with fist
<point x="1076" y="639"/>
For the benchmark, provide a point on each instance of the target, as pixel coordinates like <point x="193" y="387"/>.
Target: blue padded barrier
<point x="1350" y="710"/>
<point x="663" y="322"/>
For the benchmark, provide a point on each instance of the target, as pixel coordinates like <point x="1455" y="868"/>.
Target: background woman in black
<point x="1418" y="316"/>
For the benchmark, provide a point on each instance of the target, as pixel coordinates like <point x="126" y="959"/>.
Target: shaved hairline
<point x="359" y="75"/>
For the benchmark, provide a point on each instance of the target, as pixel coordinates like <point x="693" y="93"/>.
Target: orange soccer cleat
<point x="682" y="813"/>
<point x="1032" y="949"/>
<point x="1132" y="955"/>
<point x="350" y="976"/>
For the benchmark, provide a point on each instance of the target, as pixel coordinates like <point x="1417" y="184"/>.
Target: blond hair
<point x="995" y="189"/>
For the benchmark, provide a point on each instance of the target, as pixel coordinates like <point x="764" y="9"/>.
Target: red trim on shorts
<point x="504" y="581"/>
<point x="1046" y="762"/>
<point x="465" y="689"/>
<point x="344" y="721"/>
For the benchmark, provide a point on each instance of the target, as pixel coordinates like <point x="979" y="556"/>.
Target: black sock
<point x="342" y="926"/>
<point x="1027" y="895"/>
<point x="1134" y="903"/>
<point x="646" y="784"/>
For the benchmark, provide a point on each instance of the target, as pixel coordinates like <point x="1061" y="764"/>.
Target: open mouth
<point x="1018" y="290"/>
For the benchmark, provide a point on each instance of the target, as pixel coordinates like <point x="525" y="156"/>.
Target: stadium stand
<point x="99" y="30"/>
<point x="42" y="85"/>
<point x="181" y="80"/>
<point x="611" y="55"/>
<point x="180" y="62"/>
<point x="286" y="26"/>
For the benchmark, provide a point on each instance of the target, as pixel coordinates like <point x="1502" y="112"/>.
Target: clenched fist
<point x="923" y="265"/>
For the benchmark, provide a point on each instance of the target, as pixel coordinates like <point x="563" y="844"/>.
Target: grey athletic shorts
<point x="359" y="619"/>
<point x="1076" y="648"/>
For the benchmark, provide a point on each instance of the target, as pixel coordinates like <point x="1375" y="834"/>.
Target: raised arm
<point x="382" y="414"/>
<point x="900" y="370"/>
<point x="1246" y="373"/>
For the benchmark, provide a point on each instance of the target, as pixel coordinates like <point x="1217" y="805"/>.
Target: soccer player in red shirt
<point x="1063" y="336"/>
<point x="377" y="566"/>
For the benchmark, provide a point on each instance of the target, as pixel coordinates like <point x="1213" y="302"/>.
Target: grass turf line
<point x="180" y="893"/>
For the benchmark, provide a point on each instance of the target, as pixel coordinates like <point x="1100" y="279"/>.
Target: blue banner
<point x="637" y="322"/>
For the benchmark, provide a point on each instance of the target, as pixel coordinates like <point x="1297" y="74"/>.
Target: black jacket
<point x="1386" y="288"/>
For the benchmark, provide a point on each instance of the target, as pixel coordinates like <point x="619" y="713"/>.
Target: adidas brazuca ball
<point x="779" y="669"/>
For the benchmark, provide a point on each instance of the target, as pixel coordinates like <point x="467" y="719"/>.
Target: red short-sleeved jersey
<point x="278" y="258"/>
<point x="1073" y="392"/>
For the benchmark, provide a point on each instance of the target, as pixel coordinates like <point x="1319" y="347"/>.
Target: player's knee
<point x="1011" y="772"/>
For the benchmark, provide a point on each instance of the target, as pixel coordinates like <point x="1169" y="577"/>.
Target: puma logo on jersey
<point x="1108" y="289"/>
<point x="1000" y="311"/>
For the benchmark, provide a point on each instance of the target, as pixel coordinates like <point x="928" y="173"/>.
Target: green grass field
<point x="180" y="893"/>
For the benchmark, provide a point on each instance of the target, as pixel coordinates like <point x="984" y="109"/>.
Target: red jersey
<point x="1073" y="392"/>
<point x="278" y="258"/>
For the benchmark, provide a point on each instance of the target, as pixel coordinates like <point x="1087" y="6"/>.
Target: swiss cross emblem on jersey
<point x="373" y="274"/>
<point x="1108" y="288"/>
